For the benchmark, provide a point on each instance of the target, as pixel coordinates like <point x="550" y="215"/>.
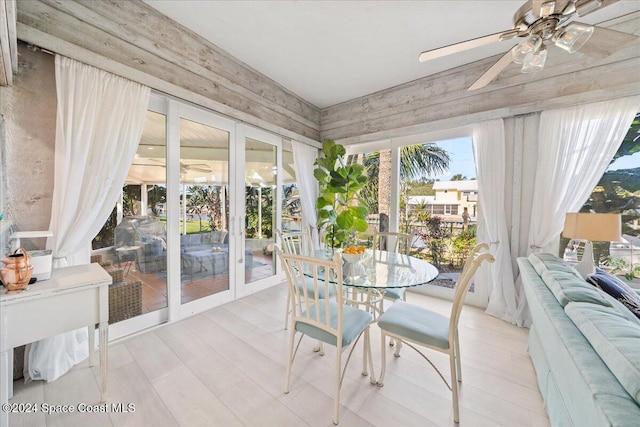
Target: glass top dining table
<point x="381" y="270"/>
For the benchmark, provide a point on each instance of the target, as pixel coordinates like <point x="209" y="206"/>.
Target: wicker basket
<point x="117" y="274"/>
<point x="125" y="300"/>
<point x="99" y="260"/>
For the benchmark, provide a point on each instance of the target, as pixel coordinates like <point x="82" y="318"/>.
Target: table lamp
<point x="598" y="227"/>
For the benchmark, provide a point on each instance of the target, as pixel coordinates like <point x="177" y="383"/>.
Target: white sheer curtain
<point x="575" y="147"/>
<point x="99" y="124"/>
<point x="304" y="156"/>
<point x="490" y="158"/>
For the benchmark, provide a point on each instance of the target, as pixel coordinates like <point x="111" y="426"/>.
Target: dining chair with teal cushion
<point x="392" y="242"/>
<point x="329" y="321"/>
<point x="299" y="243"/>
<point x="416" y="326"/>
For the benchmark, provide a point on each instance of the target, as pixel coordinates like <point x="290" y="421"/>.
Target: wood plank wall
<point x="8" y="41"/>
<point x="131" y="39"/>
<point x="442" y="101"/>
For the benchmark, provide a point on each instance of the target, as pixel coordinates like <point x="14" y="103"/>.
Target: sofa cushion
<point x="566" y="287"/>
<point x="542" y="262"/>
<point x="617" y="289"/>
<point x="614" y="338"/>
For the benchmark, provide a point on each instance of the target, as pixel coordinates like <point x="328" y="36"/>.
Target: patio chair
<point x="299" y="243"/>
<point x="392" y="242"/>
<point x="415" y="326"/>
<point x="329" y="321"/>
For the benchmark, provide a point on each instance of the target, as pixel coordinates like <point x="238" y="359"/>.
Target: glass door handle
<point x="241" y="230"/>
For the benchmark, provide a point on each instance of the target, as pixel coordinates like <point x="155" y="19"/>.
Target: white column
<point x="119" y="208"/>
<point x="394" y="205"/>
<point x="173" y="210"/>
<point x="144" y="199"/>
<point x="223" y="201"/>
<point x="259" y="211"/>
<point x="183" y="189"/>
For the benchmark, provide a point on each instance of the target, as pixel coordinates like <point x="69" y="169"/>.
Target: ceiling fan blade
<point x="492" y="72"/>
<point x="582" y="8"/>
<point x="162" y="162"/>
<point x="201" y="170"/>
<point x="604" y="42"/>
<point x="148" y="165"/>
<point x="196" y="167"/>
<point x="465" y="45"/>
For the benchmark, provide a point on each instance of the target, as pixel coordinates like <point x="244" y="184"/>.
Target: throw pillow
<point x="617" y="289"/>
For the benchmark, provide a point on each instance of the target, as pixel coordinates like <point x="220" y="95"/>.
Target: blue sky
<point x="461" y="153"/>
<point x="626" y="162"/>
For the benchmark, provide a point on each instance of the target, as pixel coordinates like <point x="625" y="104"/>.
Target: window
<point x="291" y="205"/>
<point x="618" y="191"/>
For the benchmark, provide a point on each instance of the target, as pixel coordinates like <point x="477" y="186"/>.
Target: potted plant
<point x="341" y="214"/>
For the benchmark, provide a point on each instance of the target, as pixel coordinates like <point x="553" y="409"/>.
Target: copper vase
<point x="17" y="270"/>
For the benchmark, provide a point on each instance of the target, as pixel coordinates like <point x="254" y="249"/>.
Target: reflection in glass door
<point x="204" y="210"/>
<point x="144" y="215"/>
<point x="291" y="204"/>
<point x="132" y="243"/>
<point x="260" y="209"/>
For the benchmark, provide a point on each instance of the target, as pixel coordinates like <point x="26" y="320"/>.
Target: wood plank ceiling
<point x="132" y="39"/>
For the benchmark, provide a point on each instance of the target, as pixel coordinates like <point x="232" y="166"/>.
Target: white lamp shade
<point x="597" y="227"/>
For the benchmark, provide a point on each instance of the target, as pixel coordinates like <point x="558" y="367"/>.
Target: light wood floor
<point x="226" y="367"/>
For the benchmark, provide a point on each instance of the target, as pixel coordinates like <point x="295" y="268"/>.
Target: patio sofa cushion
<point x="203" y="241"/>
<point x="566" y="288"/>
<point x="614" y="338"/>
<point x="152" y="255"/>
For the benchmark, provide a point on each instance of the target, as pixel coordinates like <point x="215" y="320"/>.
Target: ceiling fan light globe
<point x="574" y="36"/>
<point x="535" y="61"/>
<point x="528" y="46"/>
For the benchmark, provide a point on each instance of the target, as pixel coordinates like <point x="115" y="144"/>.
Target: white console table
<point x="72" y="298"/>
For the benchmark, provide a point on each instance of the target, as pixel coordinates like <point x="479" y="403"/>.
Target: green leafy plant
<point x="438" y="239"/>
<point x="462" y="244"/>
<point x="621" y="267"/>
<point x="341" y="213"/>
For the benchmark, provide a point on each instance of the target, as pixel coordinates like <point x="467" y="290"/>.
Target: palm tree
<point x="197" y="202"/>
<point x="156" y="194"/>
<point x="416" y="161"/>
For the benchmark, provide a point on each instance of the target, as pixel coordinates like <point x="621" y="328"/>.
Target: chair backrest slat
<point x="471" y="265"/>
<point x="306" y="277"/>
<point x="296" y="242"/>
<point x="395" y="242"/>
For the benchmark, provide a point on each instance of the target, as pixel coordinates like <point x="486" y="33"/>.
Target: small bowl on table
<point x="352" y="258"/>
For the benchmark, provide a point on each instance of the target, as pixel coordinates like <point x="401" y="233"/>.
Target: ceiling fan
<point x="184" y="167"/>
<point x="540" y="23"/>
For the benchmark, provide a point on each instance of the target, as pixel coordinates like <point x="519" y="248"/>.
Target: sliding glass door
<point x="204" y="259"/>
<point x="197" y="219"/>
<point x="261" y="207"/>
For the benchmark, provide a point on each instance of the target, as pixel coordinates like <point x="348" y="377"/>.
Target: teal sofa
<point x="585" y="347"/>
